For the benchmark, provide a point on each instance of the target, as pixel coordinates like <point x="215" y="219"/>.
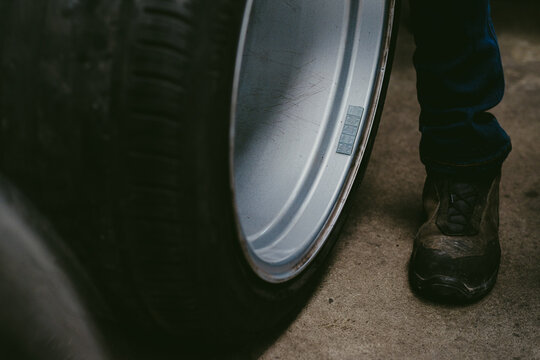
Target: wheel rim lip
<point x="276" y="274"/>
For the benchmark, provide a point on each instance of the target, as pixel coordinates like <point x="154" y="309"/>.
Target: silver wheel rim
<point x="308" y="78"/>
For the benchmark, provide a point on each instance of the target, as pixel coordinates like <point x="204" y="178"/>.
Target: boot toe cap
<point x="436" y="275"/>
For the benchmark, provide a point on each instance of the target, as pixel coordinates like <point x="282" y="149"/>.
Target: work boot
<point x="456" y="252"/>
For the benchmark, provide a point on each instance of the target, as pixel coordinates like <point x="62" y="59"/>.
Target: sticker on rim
<point x="350" y="130"/>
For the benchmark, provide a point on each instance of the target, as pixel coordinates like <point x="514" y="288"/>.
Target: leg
<point x="459" y="76"/>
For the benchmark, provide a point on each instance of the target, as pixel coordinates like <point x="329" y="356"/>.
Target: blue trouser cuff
<point x="459" y="78"/>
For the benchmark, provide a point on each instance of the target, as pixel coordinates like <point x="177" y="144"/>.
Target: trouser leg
<point x="459" y="77"/>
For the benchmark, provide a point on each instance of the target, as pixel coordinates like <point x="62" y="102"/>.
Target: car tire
<point x="116" y="122"/>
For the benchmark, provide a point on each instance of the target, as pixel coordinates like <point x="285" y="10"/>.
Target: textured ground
<point x="363" y="308"/>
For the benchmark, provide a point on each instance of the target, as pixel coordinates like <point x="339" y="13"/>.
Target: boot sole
<point x="450" y="290"/>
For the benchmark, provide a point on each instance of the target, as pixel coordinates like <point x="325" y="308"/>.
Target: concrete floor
<point x="364" y="309"/>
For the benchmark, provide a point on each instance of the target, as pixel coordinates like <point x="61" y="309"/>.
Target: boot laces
<point x="463" y="199"/>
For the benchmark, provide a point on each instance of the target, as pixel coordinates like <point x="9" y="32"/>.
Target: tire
<point x="42" y="288"/>
<point x="118" y="123"/>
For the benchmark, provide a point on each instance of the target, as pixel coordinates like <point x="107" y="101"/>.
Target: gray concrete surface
<point x="364" y="309"/>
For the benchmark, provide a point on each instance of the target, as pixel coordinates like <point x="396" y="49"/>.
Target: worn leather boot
<point x="456" y="252"/>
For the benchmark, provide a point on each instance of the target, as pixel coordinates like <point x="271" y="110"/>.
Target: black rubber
<point x="45" y="307"/>
<point x="465" y="280"/>
<point x="449" y="290"/>
<point x="115" y="122"/>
